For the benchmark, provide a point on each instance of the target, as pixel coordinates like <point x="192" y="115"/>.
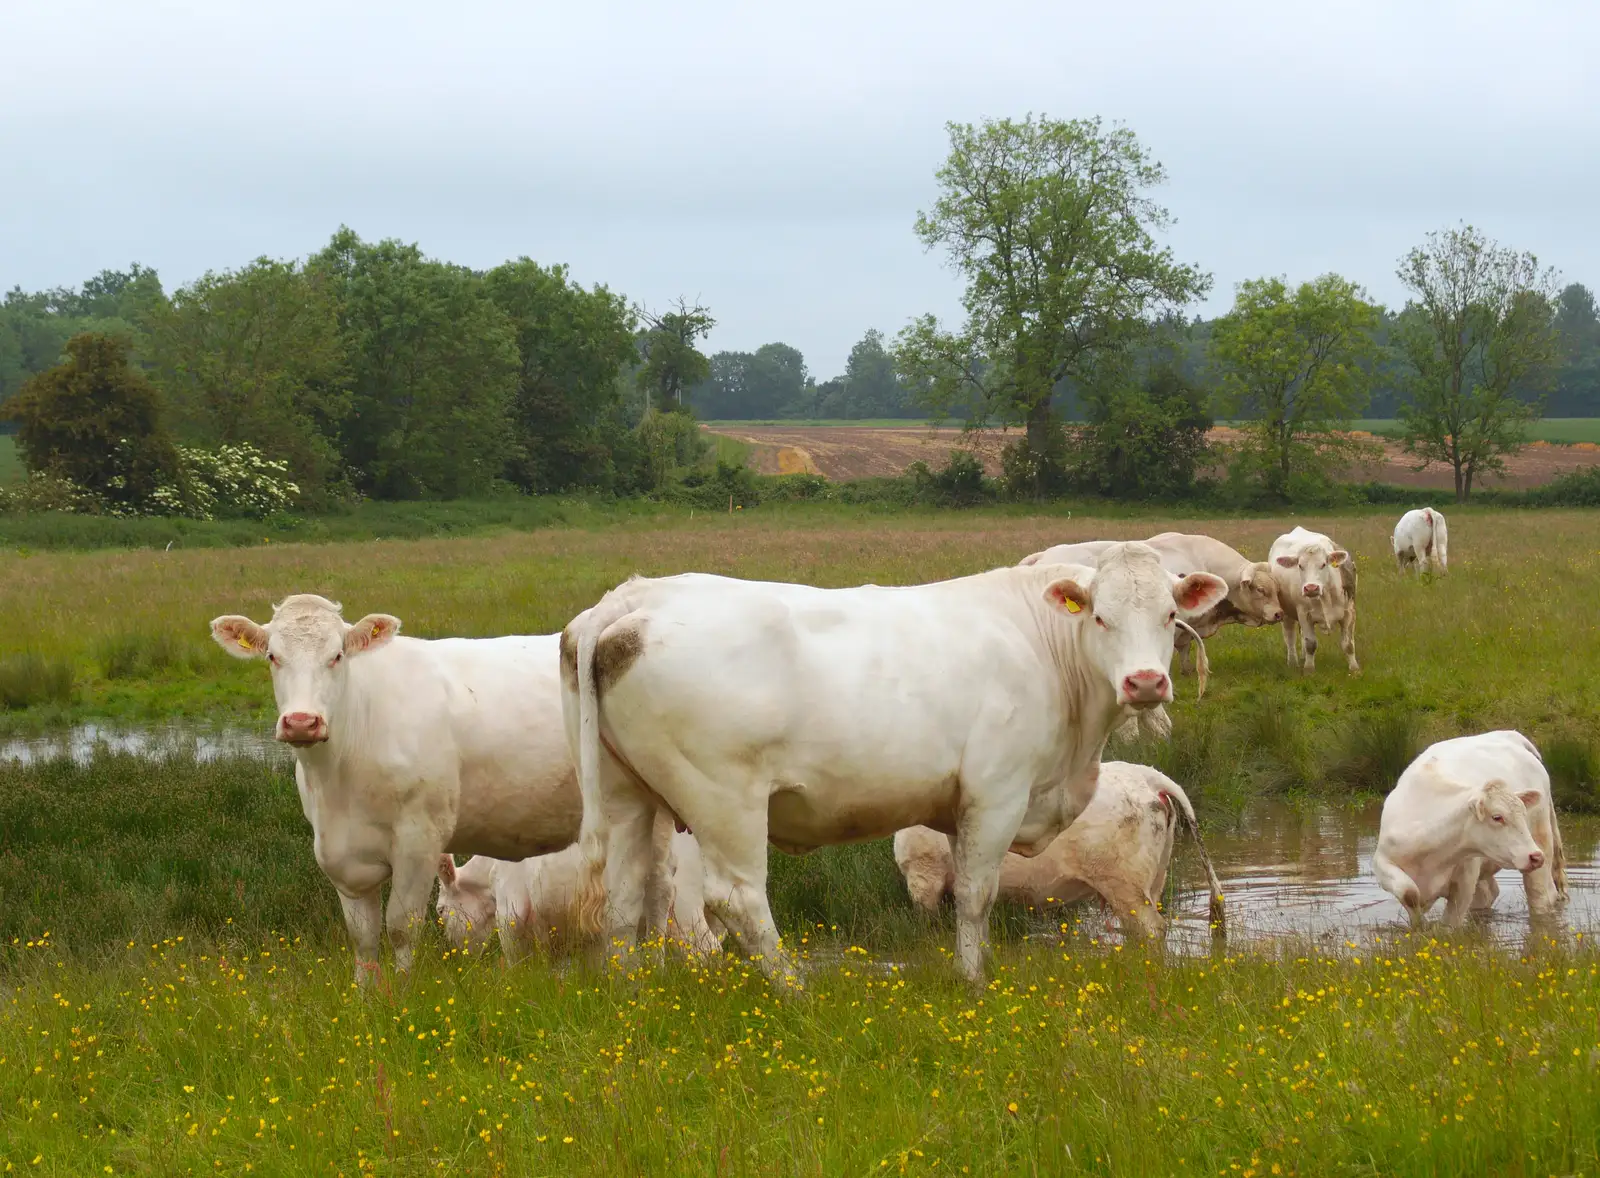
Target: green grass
<point x="177" y="999"/>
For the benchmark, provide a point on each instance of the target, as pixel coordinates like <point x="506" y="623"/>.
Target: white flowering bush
<point x="230" y="481"/>
<point x="45" y="491"/>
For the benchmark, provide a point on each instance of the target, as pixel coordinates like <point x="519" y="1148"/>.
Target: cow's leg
<point x="1399" y="885"/>
<point x="735" y="856"/>
<point x="1308" y="638"/>
<point x="1540" y="883"/>
<point x="1291" y="627"/>
<point x="1463" y="889"/>
<point x="1347" y="638"/>
<point x="630" y="822"/>
<point x="658" y="881"/>
<point x="1487" y="891"/>
<point x="982" y="839"/>
<point x="409" y="889"/>
<point x="363" y="920"/>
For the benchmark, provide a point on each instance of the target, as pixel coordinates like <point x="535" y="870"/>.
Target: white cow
<point x="1317" y="585"/>
<point x="541" y="901"/>
<point x="405" y="749"/>
<point x="1252" y="589"/>
<point x="1421" y="539"/>
<point x="759" y="711"/>
<point x="1463" y="810"/>
<point x="1119" y="848"/>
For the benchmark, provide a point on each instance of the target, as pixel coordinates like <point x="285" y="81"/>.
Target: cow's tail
<point x="1180" y="800"/>
<point x="591" y="831"/>
<point x="1202" y="665"/>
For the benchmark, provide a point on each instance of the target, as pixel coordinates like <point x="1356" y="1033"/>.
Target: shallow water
<point x="84" y="741"/>
<point x="1305" y="873"/>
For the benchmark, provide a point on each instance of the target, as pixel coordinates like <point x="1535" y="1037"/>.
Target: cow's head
<point x="1316" y="568"/>
<point x="307" y="645"/>
<point x="1257" y="595"/>
<point x="466" y="900"/>
<point x="1126" y="612"/>
<point x="1499" y="827"/>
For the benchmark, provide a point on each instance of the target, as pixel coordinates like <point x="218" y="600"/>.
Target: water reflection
<point x="84" y="741"/>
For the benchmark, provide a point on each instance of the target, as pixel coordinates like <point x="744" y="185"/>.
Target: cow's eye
<point x="272" y="658"/>
<point x="1500" y="818"/>
<point x="335" y="660"/>
<point x="1101" y="622"/>
<point x="1172" y="617"/>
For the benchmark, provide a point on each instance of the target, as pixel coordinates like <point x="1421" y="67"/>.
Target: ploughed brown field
<point x="842" y="453"/>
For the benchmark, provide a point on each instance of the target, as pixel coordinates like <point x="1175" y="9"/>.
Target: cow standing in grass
<point x="759" y="712"/>
<point x="1317" y="585"/>
<point x="1421" y="541"/>
<point x="406" y="749"/>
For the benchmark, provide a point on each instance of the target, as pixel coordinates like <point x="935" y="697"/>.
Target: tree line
<point x="372" y="370"/>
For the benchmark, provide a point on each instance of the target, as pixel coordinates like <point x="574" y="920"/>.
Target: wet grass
<point x="29" y="680"/>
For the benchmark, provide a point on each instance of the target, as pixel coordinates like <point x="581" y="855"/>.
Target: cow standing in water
<point x="1463" y="810"/>
<point x="406" y="749"/>
<point x="1421" y="540"/>
<point x="759" y="711"/>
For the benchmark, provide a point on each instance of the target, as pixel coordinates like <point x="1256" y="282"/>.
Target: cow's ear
<point x="370" y="633"/>
<point x="1287" y="562"/>
<point x="447" y="870"/>
<point x="239" y="636"/>
<point x="1198" y="592"/>
<point x="1531" y="798"/>
<point x="1068" y="596"/>
<point x="1337" y="557"/>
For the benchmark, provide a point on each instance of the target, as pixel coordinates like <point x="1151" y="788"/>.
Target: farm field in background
<point x="852" y="451"/>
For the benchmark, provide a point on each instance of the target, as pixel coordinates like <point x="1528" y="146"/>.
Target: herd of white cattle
<point x="626" y="776"/>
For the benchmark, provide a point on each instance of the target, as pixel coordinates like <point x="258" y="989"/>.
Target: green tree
<point x="572" y="344"/>
<point x="672" y="363"/>
<point x="434" y="371"/>
<point x="1478" y="334"/>
<point x="34" y="327"/>
<point x="256" y="355"/>
<point x="1051" y="228"/>
<point x="1142" y="439"/>
<point x="1296" y="365"/>
<point x="96" y="420"/>
<point x="1577" y="324"/>
<point x="870" y="387"/>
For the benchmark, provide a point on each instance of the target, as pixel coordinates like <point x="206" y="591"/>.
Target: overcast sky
<point x="772" y="164"/>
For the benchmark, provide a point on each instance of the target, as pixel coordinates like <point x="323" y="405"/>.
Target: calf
<point x="1317" y="585"/>
<point x="1463" y="810"/>
<point x="541" y="901"/>
<point x="406" y="749"/>
<point x="1420" y="540"/>
<point x="1119" y="848"/>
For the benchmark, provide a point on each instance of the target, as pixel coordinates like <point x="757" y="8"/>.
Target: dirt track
<point x="846" y="452"/>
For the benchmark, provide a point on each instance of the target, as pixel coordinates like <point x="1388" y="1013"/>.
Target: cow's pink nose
<point x="1535" y="860"/>
<point x="1311" y="590"/>
<point x="302" y="728"/>
<point x="1145" y="687"/>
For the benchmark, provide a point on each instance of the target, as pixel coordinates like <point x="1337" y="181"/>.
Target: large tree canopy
<point x="1050" y="225"/>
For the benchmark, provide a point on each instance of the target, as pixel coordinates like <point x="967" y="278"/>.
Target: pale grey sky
<point x="771" y="163"/>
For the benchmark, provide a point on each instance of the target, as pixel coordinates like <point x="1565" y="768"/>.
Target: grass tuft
<point x="1371" y="751"/>
<point x="1574" y="774"/>
<point x="29" y="680"/>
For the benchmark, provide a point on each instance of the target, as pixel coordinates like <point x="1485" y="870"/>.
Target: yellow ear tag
<point x="1072" y="606"/>
<point x="244" y="642"/>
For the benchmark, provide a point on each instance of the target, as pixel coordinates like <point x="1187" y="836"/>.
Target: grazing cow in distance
<point x="759" y="711"/>
<point x="541" y="901"/>
<point x="1463" y="810"/>
<point x="1422" y="540"/>
<point x="406" y="749"/>
<point x="1317" y="585"/>
<point x="1119" y="848"/>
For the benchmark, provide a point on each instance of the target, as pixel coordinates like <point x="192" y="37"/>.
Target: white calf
<point x="1421" y="539"/>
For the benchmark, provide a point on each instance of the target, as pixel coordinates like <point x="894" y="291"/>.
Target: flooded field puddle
<point x="84" y="742"/>
<point x="1304" y="874"/>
